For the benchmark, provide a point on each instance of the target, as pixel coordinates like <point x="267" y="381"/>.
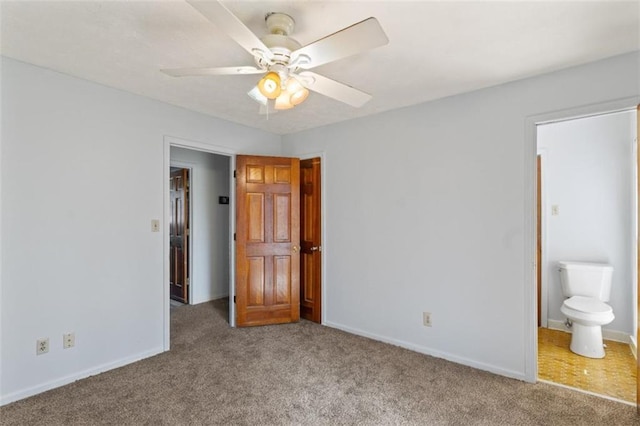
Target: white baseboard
<point x="220" y="296"/>
<point x="429" y="351"/>
<point x="25" y="393"/>
<point x="209" y="298"/>
<point x="616" y="336"/>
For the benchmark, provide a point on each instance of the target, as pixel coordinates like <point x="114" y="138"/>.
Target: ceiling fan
<point x="283" y="62"/>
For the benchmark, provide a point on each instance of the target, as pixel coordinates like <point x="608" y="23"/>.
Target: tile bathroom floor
<point x="614" y="375"/>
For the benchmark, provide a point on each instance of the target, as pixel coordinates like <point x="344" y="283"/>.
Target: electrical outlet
<point x="68" y="340"/>
<point x="42" y="346"/>
<point x="426" y="319"/>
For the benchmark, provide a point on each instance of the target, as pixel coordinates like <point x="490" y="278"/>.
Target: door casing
<point x="544" y="288"/>
<point x="170" y="141"/>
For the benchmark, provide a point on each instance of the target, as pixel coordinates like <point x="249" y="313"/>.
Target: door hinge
<point x="234" y="173"/>
<point x="234" y="299"/>
<point x="234" y="236"/>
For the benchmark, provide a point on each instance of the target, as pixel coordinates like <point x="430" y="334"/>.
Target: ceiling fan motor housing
<point x="280" y="25"/>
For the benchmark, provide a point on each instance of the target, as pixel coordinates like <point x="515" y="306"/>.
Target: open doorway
<point x="586" y="212"/>
<point x="199" y="226"/>
<point x="229" y="156"/>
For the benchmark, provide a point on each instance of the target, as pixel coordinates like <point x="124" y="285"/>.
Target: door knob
<point x="295" y="249"/>
<point x="316" y="248"/>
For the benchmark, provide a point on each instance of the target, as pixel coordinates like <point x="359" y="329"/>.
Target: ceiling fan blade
<point x="357" y="38"/>
<point x="189" y="72"/>
<point x="334" y="89"/>
<point x="222" y="17"/>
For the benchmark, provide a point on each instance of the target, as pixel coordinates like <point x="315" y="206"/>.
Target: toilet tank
<point x="586" y="279"/>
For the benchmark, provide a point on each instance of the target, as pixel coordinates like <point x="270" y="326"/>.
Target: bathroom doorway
<point x="586" y="211"/>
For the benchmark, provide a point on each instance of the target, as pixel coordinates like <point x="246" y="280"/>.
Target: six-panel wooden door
<point x="267" y="240"/>
<point x="310" y="239"/>
<point x="179" y="235"/>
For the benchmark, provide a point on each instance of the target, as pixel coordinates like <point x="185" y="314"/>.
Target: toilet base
<point x="586" y="340"/>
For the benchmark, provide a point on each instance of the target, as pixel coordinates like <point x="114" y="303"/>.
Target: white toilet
<point x="587" y="286"/>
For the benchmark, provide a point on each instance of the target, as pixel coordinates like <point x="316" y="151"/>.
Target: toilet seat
<point x="588" y="305"/>
<point x="587" y="310"/>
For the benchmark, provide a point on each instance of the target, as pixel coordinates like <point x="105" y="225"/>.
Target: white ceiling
<point x="436" y="48"/>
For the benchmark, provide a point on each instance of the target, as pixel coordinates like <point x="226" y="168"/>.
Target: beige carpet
<point x="302" y="374"/>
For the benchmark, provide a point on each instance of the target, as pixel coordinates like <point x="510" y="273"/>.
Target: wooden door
<point x="179" y="235"/>
<point x="267" y="240"/>
<point x="310" y="240"/>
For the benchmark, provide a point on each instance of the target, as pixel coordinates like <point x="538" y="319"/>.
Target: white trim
<point x="199" y="146"/>
<point x="610" y="398"/>
<point x="218" y="296"/>
<point x="530" y="290"/>
<point x="25" y="393"/>
<point x="166" y="249"/>
<point x="323" y="224"/>
<point x="530" y="152"/>
<point x="580" y="115"/>
<point x="634" y="235"/>
<point x="191" y="167"/>
<point x="428" y="351"/>
<point x="634" y="347"/>
<point x="170" y="141"/>
<point x="544" y="261"/>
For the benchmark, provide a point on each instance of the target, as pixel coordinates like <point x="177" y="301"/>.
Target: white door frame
<point x="544" y="285"/>
<point x="170" y="141"/>
<point x="530" y="154"/>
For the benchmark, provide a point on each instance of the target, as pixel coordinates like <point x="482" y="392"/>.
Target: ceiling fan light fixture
<point x="299" y="97"/>
<point x="283" y="101"/>
<point x="257" y="96"/>
<point x="298" y="93"/>
<point x="269" y="85"/>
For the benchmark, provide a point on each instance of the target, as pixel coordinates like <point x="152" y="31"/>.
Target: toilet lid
<point x="587" y="305"/>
